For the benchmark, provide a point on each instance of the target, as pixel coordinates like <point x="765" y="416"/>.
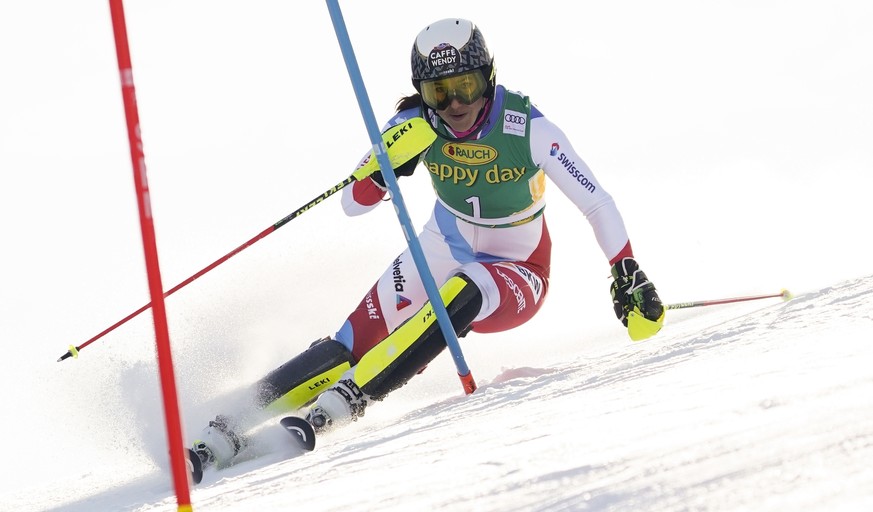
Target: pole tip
<point x="468" y="383"/>
<point x="73" y="352"/>
<point x="786" y="295"/>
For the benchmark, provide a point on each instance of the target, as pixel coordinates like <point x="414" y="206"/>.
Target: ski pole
<point x="407" y="140"/>
<point x="74" y="351"/>
<point x="415" y="249"/>
<point x="785" y="294"/>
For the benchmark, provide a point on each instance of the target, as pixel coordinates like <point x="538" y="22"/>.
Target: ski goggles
<point x="466" y="88"/>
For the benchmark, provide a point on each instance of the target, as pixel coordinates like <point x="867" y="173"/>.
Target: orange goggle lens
<point x="466" y="88"/>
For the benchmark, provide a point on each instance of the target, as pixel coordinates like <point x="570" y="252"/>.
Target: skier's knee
<point x="463" y="301"/>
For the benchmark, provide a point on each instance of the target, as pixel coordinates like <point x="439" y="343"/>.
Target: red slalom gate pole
<point x="162" y="336"/>
<point x="785" y="294"/>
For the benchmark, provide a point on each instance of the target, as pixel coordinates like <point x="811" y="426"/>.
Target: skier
<point x="487" y="243"/>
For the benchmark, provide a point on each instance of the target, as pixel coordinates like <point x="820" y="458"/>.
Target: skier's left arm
<point x="634" y="297"/>
<point x="552" y="151"/>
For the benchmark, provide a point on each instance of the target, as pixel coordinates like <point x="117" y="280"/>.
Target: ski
<point x="195" y="466"/>
<point x="301" y="431"/>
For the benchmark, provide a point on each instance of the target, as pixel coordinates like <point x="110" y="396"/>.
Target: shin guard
<point x="300" y="380"/>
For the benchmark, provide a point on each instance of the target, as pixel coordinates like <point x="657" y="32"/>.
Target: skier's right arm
<point x="365" y="194"/>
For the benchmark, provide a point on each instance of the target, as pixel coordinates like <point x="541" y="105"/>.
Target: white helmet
<point x="449" y="47"/>
<point x="451" y="60"/>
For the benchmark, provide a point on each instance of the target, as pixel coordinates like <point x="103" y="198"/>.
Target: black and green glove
<point x="635" y="300"/>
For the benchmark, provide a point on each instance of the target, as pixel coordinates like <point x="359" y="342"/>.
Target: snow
<point x="767" y="409"/>
<point x="735" y="139"/>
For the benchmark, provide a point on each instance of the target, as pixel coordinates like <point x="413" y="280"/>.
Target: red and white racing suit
<point x="509" y="265"/>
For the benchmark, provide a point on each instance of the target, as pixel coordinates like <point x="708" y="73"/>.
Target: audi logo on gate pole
<point x="512" y="118"/>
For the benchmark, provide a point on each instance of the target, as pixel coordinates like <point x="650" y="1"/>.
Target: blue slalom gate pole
<point x="380" y="151"/>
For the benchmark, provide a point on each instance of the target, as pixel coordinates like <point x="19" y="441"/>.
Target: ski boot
<point x="218" y="443"/>
<point x="342" y="403"/>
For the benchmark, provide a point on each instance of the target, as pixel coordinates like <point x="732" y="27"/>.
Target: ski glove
<point x="405" y="169"/>
<point x="635" y="300"/>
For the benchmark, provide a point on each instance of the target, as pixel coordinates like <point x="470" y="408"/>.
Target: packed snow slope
<point x="761" y="407"/>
